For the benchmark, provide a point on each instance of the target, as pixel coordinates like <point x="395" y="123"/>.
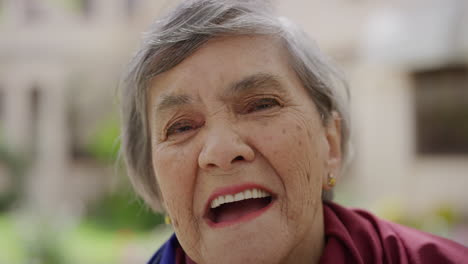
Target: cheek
<point x="294" y="149"/>
<point x="290" y="144"/>
<point x="175" y="176"/>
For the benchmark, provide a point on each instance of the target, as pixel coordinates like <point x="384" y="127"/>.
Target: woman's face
<point x="232" y="122"/>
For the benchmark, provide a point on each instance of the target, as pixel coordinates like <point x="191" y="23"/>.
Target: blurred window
<point x="441" y="101"/>
<point x="77" y="149"/>
<point x="2" y="106"/>
<point x="34" y="104"/>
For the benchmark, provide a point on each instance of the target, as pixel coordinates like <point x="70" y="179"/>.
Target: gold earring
<point x="331" y="180"/>
<point x="167" y="220"/>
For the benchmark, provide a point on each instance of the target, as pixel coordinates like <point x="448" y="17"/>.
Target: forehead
<point x="221" y="62"/>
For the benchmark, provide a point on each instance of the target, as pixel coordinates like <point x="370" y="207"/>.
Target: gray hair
<point x="179" y="34"/>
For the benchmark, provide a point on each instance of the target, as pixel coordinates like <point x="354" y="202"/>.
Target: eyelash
<point x="180" y="125"/>
<point x="257" y="105"/>
<point x="262" y="104"/>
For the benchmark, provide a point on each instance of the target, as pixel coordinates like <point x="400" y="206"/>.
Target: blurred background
<point x="64" y="197"/>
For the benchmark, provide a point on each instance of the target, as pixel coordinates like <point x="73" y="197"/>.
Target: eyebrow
<point x="257" y="81"/>
<point x="169" y="101"/>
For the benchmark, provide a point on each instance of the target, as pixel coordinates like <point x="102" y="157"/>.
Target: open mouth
<point x="235" y="207"/>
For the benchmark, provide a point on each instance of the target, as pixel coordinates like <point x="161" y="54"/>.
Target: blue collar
<point x="166" y="253"/>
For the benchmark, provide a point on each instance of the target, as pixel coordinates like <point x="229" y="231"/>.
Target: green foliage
<point x="121" y="210"/>
<point x="73" y="5"/>
<point x="10" y="244"/>
<point x="447" y="213"/>
<point x="45" y="248"/>
<point x="438" y="220"/>
<point x="79" y="244"/>
<point x="16" y="166"/>
<point x="104" y="143"/>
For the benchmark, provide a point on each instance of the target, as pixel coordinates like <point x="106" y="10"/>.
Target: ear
<point x="334" y="154"/>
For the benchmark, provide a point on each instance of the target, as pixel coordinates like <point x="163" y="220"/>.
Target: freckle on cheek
<point x="298" y="127"/>
<point x="300" y="143"/>
<point x="308" y="177"/>
<point x="284" y="131"/>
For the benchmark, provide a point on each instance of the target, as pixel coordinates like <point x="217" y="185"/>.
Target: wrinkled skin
<point x="209" y="136"/>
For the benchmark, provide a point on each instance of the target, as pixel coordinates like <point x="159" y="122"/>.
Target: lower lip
<point x="242" y="219"/>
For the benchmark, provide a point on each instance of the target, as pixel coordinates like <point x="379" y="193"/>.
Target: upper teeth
<point x="244" y="195"/>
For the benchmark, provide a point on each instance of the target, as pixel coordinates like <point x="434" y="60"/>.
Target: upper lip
<point x="233" y="190"/>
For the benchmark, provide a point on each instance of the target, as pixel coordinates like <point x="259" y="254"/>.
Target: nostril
<point x="238" y="158"/>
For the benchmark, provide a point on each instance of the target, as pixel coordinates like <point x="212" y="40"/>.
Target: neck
<point x="310" y="248"/>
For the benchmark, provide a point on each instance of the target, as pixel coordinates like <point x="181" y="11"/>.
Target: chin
<point x="253" y="252"/>
<point x="261" y="240"/>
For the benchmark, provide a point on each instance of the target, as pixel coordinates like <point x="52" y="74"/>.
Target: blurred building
<point x="407" y="62"/>
<point x="60" y="63"/>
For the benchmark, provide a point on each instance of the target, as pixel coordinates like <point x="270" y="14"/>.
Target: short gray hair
<point x="179" y="34"/>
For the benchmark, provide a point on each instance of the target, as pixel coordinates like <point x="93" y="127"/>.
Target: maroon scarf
<point x="356" y="236"/>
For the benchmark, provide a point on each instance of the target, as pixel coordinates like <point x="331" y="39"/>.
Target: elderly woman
<point x="237" y="127"/>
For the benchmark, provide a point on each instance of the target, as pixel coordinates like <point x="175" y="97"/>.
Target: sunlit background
<point x="65" y="199"/>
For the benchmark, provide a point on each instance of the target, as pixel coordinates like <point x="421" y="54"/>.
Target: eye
<point x="262" y="104"/>
<point x="181" y="127"/>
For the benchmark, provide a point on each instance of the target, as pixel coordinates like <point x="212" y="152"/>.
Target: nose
<point x="223" y="148"/>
